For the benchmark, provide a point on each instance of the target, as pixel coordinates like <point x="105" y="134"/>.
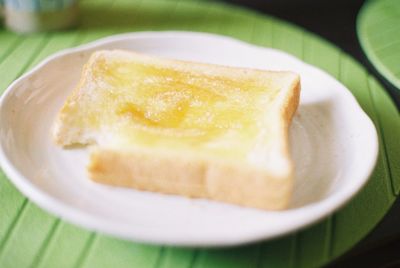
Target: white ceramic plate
<point x="334" y="145"/>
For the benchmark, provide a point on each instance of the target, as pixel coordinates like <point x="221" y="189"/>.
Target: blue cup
<point x="26" y="16"/>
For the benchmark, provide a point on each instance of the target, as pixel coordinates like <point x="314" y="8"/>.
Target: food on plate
<point x="184" y="128"/>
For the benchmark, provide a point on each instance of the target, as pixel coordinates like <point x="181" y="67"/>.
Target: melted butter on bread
<point x="129" y="102"/>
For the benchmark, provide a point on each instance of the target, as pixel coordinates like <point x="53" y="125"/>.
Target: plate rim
<point x="76" y="216"/>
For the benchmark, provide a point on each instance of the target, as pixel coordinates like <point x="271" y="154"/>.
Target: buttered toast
<point x="176" y="127"/>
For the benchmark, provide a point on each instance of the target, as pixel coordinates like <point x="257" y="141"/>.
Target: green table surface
<point x="378" y="29"/>
<point x="30" y="237"/>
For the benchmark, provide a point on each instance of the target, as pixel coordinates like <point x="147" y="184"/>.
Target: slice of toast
<point x="191" y="129"/>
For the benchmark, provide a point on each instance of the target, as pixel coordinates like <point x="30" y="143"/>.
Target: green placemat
<point x="30" y="237"/>
<point x="378" y="28"/>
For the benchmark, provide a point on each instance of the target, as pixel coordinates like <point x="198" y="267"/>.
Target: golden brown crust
<point x="288" y="110"/>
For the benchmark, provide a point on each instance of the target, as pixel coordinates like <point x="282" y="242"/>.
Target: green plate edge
<point x="30" y="237"/>
<point x="370" y="18"/>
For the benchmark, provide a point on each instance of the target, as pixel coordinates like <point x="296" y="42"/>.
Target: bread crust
<point x="180" y="174"/>
<point x="197" y="178"/>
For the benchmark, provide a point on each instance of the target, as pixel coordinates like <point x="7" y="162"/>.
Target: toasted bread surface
<point x="191" y="129"/>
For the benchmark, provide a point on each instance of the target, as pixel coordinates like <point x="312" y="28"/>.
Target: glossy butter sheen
<point x="148" y="105"/>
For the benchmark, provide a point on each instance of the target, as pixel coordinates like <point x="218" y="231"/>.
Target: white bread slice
<point x="191" y="129"/>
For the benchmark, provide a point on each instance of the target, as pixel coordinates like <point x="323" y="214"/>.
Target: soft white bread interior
<point x="185" y="128"/>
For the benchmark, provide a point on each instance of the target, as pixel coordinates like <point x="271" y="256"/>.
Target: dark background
<point x="336" y="22"/>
